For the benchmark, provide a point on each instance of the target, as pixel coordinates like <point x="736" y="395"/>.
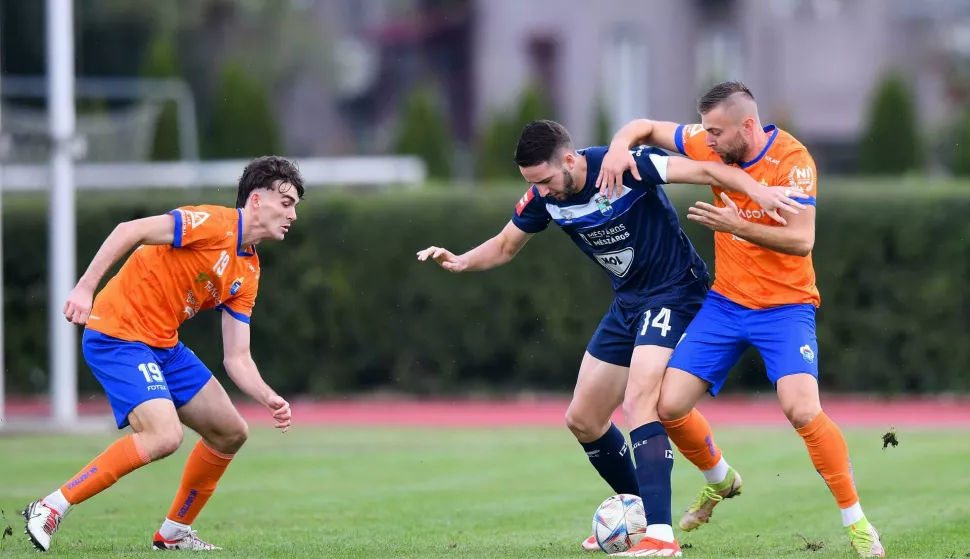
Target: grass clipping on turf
<point x="7" y="530"/>
<point x="890" y="439"/>
<point x="811" y="545"/>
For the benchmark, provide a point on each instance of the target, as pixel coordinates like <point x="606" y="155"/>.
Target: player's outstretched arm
<point x="618" y="159"/>
<point x="771" y="199"/>
<point x="494" y="252"/>
<point x="155" y="230"/>
<point x="643" y="131"/>
<point x="242" y="370"/>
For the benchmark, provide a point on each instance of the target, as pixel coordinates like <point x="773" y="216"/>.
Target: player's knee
<point x="800" y="414"/>
<point x="586" y="427"/>
<point x="238" y="435"/>
<point x="162" y="441"/>
<point x="231" y="437"/>
<point x="798" y="396"/>
<point x="670" y="409"/>
<point x="640" y="400"/>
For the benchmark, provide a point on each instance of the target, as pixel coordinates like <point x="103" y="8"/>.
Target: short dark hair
<point x="721" y="93"/>
<point x="264" y="172"/>
<point x="540" y="141"/>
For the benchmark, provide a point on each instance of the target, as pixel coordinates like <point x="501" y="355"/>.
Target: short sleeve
<point x="195" y="225"/>
<point x="797" y="171"/>
<point x="691" y="140"/>
<point x="240" y="306"/>
<point x="530" y="213"/>
<point x="652" y="164"/>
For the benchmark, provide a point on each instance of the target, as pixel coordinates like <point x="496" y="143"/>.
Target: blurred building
<point x="812" y="64"/>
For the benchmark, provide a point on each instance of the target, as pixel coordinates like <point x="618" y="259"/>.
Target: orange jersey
<point x="750" y="275"/>
<point x="161" y="286"/>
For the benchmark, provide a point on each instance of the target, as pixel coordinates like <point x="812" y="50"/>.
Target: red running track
<point x="846" y="411"/>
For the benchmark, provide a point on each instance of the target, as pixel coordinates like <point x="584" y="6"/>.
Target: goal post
<point x="63" y="235"/>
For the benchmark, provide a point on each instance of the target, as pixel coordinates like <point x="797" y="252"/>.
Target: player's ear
<point x="569" y="160"/>
<point x="748" y="125"/>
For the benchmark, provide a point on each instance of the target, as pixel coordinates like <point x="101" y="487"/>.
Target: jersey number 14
<point x="661" y="321"/>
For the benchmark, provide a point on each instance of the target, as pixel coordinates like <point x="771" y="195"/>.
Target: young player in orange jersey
<point x="764" y="295"/>
<point x="190" y="259"/>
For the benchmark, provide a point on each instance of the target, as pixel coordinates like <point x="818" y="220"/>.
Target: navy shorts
<point x="133" y="373"/>
<point x="723" y="330"/>
<point x="656" y="322"/>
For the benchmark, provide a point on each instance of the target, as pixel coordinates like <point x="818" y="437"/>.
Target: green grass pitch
<point x="422" y="493"/>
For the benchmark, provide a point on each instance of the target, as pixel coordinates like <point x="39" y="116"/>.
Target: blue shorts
<point x="133" y="373"/>
<point x="657" y="322"/>
<point x="723" y="330"/>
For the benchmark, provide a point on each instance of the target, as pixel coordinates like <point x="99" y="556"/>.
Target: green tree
<point x="425" y="131"/>
<point x="160" y="62"/>
<point x="891" y="142"/>
<point x="243" y="124"/>
<point x="960" y="162"/>
<point x="497" y="144"/>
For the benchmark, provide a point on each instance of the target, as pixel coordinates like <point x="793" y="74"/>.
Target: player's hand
<point x="616" y="162"/>
<point x="774" y="199"/>
<point x="281" y="411"/>
<point x="77" y="309"/>
<point x="444" y="258"/>
<point x="725" y="220"/>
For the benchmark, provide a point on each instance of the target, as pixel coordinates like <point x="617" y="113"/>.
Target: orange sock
<point x="830" y="454"/>
<point x="692" y="436"/>
<point x="120" y="459"/>
<point x="199" y="480"/>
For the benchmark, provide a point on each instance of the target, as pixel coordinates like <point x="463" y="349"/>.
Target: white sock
<point x="173" y="530"/>
<point x="58" y="502"/>
<point x="717" y="473"/>
<point x="851" y="515"/>
<point x="663" y="532"/>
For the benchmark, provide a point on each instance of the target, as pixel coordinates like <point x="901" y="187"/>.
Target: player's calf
<point x="43" y="516"/>
<point x="598" y="393"/>
<point x="651" y="447"/>
<point x="693" y="437"/>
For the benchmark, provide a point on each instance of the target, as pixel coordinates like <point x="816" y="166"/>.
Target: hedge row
<point x="345" y="307"/>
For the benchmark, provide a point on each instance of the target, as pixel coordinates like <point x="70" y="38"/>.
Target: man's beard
<point x="568" y="184"/>
<point x="735" y="152"/>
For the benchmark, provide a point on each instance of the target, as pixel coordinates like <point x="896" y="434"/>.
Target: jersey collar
<point x="773" y="130"/>
<point x="239" y="235"/>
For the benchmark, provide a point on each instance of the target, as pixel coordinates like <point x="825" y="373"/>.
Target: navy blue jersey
<point x="636" y="237"/>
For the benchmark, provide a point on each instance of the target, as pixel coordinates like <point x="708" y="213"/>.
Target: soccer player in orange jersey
<point x="764" y="294"/>
<point x="187" y="260"/>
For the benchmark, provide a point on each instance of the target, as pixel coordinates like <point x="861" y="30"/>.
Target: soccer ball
<point x="619" y="523"/>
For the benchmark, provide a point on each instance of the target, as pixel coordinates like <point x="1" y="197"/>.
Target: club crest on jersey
<point x="604" y="205"/>
<point x="807" y="354"/>
<point x="802" y="178"/>
<point x="234" y="288"/>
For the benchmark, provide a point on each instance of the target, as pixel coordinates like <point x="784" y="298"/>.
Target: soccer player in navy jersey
<point x="659" y="282"/>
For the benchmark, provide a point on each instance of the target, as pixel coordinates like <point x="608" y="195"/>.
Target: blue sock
<point x="611" y="457"/>
<point x="655" y="462"/>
